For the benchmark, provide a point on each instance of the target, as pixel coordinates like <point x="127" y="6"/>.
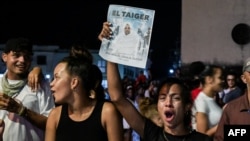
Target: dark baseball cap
<point x="19" y="44"/>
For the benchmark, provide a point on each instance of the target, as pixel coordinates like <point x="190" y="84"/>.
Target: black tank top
<point x="90" y="129"/>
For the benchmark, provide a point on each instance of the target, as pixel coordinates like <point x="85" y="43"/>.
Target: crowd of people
<point x="75" y="106"/>
<point x="198" y="118"/>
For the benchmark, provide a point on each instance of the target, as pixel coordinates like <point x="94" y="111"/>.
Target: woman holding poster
<point x="173" y="104"/>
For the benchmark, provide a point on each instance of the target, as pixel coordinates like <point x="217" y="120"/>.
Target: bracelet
<point x="22" y="111"/>
<point x="25" y="113"/>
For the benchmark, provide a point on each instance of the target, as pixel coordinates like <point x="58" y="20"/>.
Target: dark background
<point x="63" y="23"/>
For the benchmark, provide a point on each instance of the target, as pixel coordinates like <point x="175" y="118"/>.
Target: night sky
<point x="63" y="23"/>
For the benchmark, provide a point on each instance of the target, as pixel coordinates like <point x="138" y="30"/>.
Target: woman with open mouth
<point x="174" y="107"/>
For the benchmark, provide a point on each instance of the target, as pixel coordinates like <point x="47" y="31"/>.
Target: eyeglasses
<point x="230" y="79"/>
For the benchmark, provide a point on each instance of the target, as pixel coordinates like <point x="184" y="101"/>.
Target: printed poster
<point x="131" y="35"/>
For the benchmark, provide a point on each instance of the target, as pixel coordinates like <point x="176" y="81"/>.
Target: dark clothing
<point x="90" y="129"/>
<point x="233" y="94"/>
<point x="235" y="113"/>
<point x="154" y="133"/>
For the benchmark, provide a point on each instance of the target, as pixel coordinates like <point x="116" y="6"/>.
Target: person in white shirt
<point x="23" y="111"/>
<point x="206" y="112"/>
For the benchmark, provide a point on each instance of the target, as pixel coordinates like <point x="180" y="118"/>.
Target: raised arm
<point x="126" y="108"/>
<point x="128" y="111"/>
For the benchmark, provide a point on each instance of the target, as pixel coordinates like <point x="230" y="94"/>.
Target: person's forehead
<point x="127" y="26"/>
<point x="60" y="68"/>
<point x="174" y="88"/>
<point x="218" y="72"/>
<point x="230" y="76"/>
<point x="22" y="52"/>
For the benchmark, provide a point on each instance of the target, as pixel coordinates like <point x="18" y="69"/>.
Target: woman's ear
<point x="74" y="82"/>
<point x="92" y="94"/>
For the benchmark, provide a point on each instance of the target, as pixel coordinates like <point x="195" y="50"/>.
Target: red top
<point x="195" y="92"/>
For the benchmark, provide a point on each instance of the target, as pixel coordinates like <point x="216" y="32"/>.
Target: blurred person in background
<point x="206" y="111"/>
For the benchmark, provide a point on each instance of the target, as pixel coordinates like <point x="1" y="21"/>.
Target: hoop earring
<point x="92" y="94"/>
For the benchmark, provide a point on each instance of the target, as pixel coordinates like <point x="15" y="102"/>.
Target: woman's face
<point x="60" y="86"/>
<point x="218" y="80"/>
<point x="170" y="106"/>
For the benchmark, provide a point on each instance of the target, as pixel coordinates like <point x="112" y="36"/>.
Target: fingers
<point x="12" y="105"/>
<point x="107" y="28"/>
<point x="30" y="83"/>
<point x="9" y="104"/>
<point x="4" y="99"/>
<point x="106" y="31"/>
<point x="30" y="80"/>
<point x="34" y="78"/>
<point x="33" y="82"/>
<point x="36" y="83"/>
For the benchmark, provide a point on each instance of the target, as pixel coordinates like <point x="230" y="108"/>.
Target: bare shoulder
<point x="55" y="112"/>
<point x="108" y="107"/>
<point x="53" y="118"/>
<point x="110" y="114"/>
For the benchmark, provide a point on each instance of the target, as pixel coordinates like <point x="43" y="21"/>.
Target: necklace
<point x="166" y="138"/>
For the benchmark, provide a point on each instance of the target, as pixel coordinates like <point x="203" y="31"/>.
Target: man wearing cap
<point x="237" y="111"/>
<point x="23" y="112"/>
